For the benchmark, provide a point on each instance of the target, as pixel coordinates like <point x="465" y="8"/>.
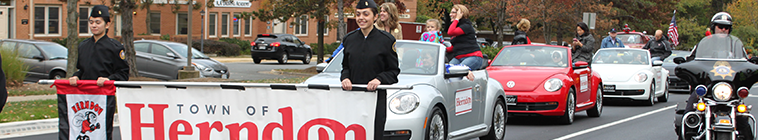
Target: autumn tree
<point x="643" y="15"/>
<point x="745" y="24"/>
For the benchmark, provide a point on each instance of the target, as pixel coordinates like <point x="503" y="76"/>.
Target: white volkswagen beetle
<point x="629" y="73"/>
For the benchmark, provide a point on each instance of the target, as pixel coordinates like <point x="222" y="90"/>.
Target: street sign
<point x="590" y="19"/>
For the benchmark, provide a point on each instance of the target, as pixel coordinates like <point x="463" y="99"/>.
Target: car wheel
<point x="568" y="115"/>
<point x="307" y="59"/>
<point x="57" y="75"/>
<point x="651" y="100"/>
<point x="437" y="129"/>
<point x="257" y="60"/>
<point x="283" y="58"/>
<point x="499" y="118"/>
<point x="665" y="97"/>
<point x="598" y="109"/>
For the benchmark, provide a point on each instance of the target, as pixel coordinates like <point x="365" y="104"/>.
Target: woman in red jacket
<point x="464" y="48"/>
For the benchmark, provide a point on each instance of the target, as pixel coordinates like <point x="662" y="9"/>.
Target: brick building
<point x="46" y="20"/>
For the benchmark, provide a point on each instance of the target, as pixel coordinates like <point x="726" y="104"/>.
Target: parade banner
<point x="85" y="112"/>
<point x="252" y="113"/>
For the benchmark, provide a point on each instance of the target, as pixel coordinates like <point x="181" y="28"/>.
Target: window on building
<point x="84" y="19"/>
<point x="155" y="22"/>
<point x="326" y="30"/>
<point x="212" y="24"/>
<point x="248" y="26"/>
<point x="225" y="24"/>
<point x="302" y="27"/>
<point x="47" y="20"/>
<point x="236" y="25"/>
<point x="181" y="24"/>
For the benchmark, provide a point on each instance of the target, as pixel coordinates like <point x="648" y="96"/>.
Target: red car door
<point x="581" y="78"/>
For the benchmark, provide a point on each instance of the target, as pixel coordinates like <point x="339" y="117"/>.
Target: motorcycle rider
<point x="721" y="23"/>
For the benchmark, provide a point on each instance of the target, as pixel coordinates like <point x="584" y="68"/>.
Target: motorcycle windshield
<point x="720" y="46"/>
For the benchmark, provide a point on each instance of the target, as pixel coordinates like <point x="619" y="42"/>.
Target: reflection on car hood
<point x="617" y="73"/>
<point x="526" y="78"/>
<point x="210" y="63"/>
<point x="334" y="78"/>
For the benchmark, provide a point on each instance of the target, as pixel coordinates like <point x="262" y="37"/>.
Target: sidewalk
<point x="31" y="98"/>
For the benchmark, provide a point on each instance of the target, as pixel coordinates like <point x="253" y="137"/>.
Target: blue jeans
<point x="473" y="62"/>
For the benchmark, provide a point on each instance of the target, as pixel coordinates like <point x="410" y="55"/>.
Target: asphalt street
<point x="252" y="71"/>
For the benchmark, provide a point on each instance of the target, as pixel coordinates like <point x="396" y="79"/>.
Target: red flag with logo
<point x="85" y="111"/>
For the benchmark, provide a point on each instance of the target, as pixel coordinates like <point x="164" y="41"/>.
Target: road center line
<point x="613" y="123"/>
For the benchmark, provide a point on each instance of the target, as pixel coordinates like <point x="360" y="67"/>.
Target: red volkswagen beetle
<point x="539" y="80"/>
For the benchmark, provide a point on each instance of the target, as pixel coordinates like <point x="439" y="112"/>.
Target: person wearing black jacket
<point x="520" y="35"/>
<point x="3" y="91"/>
<point x="583" y="44"/>
<point x="659" y="48"/>
<point x="464" y="49"/>
<point x="100" y="58"/>
<point x="370" y="58"/>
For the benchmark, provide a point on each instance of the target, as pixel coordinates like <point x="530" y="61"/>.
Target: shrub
<point x="218" y="48"/>
<point x="328" y="48"/>
<point x="63" y="41"/>
<point x="491" y="51"/>
<point x="166" y="37"/>
<point x="15" y="69"/>
<point x="243" y="44"/>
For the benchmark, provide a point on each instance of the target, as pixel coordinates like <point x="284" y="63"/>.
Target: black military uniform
<point x="102" y="58"/>
<point x="368" y="57"/>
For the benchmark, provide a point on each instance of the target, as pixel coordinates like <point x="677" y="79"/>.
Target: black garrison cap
<point x="100" y="11"/>
<point x="365" y="4"/>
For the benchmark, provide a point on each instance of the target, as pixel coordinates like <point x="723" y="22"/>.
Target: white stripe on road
<point x="751" y="95"/>
<point x="613" y="123"/>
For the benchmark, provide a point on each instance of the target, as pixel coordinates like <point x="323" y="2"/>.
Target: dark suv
<point x="280" y="47"/>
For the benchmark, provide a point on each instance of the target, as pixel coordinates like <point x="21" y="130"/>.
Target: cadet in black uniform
<point x="100" y="58"/>
<point x="370" y="58"/>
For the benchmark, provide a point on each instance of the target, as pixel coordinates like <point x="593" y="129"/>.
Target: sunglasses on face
<point x="724" y="26"/>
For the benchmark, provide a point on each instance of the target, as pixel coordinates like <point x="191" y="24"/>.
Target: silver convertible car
<point x="442" y="104"/>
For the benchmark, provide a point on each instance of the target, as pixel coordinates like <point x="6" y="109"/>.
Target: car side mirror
<point x="580" y="65"/>
<point x="657" y="63"/>
<point x="753" y="60"/>
<point x="679" y="60"/>
<point x="456" y="71"/>
<point x="172" y="55"/>
<point x="320" y="67"/>
<point x="38" y="57"/>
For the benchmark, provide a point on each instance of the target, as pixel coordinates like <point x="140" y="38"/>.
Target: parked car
<point x="540" y="80"/>
<point x="46" y="60"/>
<point x="676" y="84"/>
<point x="432" y="109"/>
<point x="280" y="47"/>
<point x="629" y="74"/>
<point x="163" y="60"/>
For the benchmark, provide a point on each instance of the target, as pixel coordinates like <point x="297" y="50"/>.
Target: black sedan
<point x="280" y="47"/>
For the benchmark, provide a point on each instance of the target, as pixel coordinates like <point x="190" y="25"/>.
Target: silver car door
<point x="460" y="102"/>
<point x="164" y="65"/>
<point x="33" y="58"/>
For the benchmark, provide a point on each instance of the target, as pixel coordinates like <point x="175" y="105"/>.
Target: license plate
<point x="609" y="88"/>
<point x="510" y="99"/>
<point x="262" y="47"/>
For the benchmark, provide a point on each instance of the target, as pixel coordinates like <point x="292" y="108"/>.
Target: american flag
<point x="673" y="31"/>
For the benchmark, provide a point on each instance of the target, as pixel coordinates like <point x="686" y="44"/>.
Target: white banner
<point x="202" y="113"/>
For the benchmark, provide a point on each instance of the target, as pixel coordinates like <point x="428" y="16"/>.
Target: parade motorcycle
<point x="722" y="76"/>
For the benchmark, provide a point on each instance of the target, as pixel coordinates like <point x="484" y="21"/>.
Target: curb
<point x="34" y="127"/>
<point x="30" y="98"/>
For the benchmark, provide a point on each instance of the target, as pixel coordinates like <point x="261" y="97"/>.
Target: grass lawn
<point x="29" y="110"/>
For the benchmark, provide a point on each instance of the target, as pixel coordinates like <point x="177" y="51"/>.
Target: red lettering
<point x="89" y="105"/>
<point x="205" y="130"/>
<point x="235" y="128"/>
<point x="173" y="132"/>
<point x="137" y="124"/>
<point x="98" y="109"/>
<point x="339" y="129"/>
<point x="74" y="108"/>
<point x="286" y="125"/>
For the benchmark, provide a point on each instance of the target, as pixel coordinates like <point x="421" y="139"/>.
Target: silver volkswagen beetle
<point x="442" y="104"/>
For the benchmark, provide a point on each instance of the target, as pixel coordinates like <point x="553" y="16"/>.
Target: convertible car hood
<point x="617" y="73"/>
<point x="525" y="78"/>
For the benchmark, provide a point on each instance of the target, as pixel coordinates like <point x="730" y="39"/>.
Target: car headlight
<point x="640" y="77"/>
<point x="404" y="103"/>
<point x="202" y="67"/>
<point x="722" y="91"/>
<point x="553" y="84"/>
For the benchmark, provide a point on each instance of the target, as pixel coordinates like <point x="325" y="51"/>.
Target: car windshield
<point x="675" y="54"/>
<point x="54" y="51"/>
<point x="542" y="56"/>
<point x="630" y="38"/>
<point x="720" y="46"/>
<point x="182" y="50"/>
<point x="622" y="56"/>
<point x="414" y="58"/>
